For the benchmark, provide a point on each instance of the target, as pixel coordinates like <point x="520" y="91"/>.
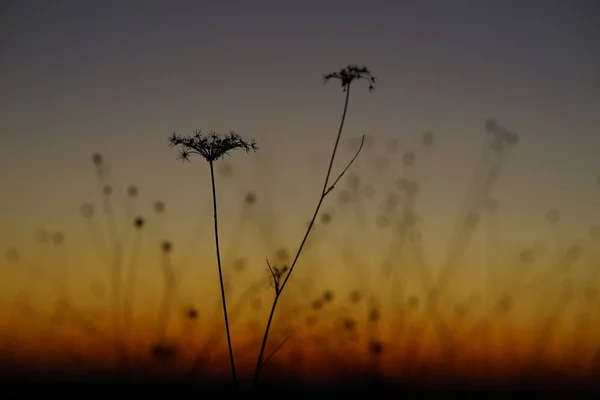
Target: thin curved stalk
<point x="223" y="299"/>
<point x="325" y="191"/>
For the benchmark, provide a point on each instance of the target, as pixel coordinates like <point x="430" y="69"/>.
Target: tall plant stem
<point x="324" y="193"/>
<point x="223" y="299"/>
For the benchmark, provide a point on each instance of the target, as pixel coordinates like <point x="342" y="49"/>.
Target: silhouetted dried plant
<point x="347" y="76"/>
<point x="211" y="147"/>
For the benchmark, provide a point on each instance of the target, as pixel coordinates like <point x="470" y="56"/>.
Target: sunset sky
<point x="117" y="77"/>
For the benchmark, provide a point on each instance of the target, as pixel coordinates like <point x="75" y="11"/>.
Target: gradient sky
<point x="117" y="77"/>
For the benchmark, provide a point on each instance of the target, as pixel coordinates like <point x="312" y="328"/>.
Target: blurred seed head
<point x="87" y="210"/>
<point x="97" y="159"/>
<point x="374" y="315"/>
<point x="412" y="302"/>
<point x="376" y="348"/>
<point x="12" y="254"/>
<point x="393" y="146"/>
<point x="239" y="264"/>
<point x="58" y="238"/>
<point x="491" y="125"/>
<point x="132" y="191"/>
<point x="328" y="296"/>
<point x="138" y="222"/>
<point x="355" y="296"/>
<point x="505" y="304"/>
<point x="191" y="313"/>
<point x="164" y="352"/>
<point x="409" y="158"/>
<point x="349" y="323"/>
<point x="250" y="198"/>
<point x="526" y="256"/>
<point x="282" y="255"/>
<point x="107" y="190"/>
<point x="428" y="139"/>
<point x="167" y="246"/>
<point x="392" y="201"/>
<point x="159" y="206"/>
<point x="317" y="304"/>
<point x="461" y="309"/>
<point x="553" y="216"/>
<point x="326" y="218"/>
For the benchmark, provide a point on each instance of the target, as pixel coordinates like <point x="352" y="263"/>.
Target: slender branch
<point x="260" y="363"/>
<point x="223" y="299"/>
<point x="362" y="142"/>
<point x="275" y="351"/>
<point x="274" y="276"/>
<point x="323" y="193"/>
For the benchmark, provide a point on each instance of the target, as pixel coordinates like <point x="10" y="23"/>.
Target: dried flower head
<point x="138" y="222"/>
<point x="192" y="313"/>
<point x="132" y="191"/>
<point x="87" y="210"/>
<point x="159" y="207"/>
<point x="352" y="73"/>
<point x="428" y="139"/>
<point x="12" y="254"/>
<point x="211" y="146"/>
<point x="250" y="198"/>
<point x="58" y="238"/>
<point x="97" y="159"/>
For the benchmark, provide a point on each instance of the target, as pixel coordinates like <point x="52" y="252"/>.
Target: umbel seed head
<point x="211" y="146"/>
<point x="352" y="73"/>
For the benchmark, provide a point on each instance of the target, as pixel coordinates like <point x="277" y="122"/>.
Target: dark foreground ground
<point x="24" y="384"/>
